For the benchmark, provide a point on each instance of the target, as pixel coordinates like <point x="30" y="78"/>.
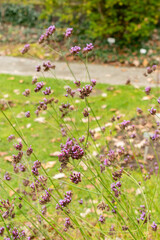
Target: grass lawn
<point x="45" y="136"/>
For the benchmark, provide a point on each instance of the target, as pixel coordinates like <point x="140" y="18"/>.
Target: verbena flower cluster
<point x="102" y="178"/>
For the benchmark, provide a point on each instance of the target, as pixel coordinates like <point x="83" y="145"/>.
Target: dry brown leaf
<point x="49" y="164"/>
<point x="55" y="154"/>
<point x="8" y="158"/>
<point x="113" y="110"/>
<point x="145" y="62"/>
<point x="2" y="154"/>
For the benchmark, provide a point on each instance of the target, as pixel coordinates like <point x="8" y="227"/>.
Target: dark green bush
<point x="19" y="14"/>
<point x="129" y="21"/>
<point x="126" y="20"/>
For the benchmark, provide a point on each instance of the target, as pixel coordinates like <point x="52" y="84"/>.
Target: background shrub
<point x="127" y="21"/>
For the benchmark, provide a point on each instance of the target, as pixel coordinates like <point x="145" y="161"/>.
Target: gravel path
<point x="102" y="73"/>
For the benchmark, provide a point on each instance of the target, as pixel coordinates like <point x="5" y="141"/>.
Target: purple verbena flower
<point x="102" y="219"/>
<point x="152" y="111"/>
<point x="25" y="49"/>
<point x="41" y="39"/>
<point x="154" y="226"/>
<point x="85" y="112"/>
<point x="19" y="146"/>
<point x="7" y="176"/>
<point x="26" y="93"/>
<point x="10" y="138"/>
<point x="27" y="114"/>
<point x="29" y="151"/>
<point x="68" y="32"/>
<point x="147" y="90"/>
<point x="1" y="231"/>
<point x="75" y="50"/>
<point x="47" y="91"/>
<point x="39" y="86"/>
<point x="34" y="80"/>
<point x="75" y="177"/>
<point x="88" y="48"/>
<point x="50" y="31"/>
<point x="139" y="110"/>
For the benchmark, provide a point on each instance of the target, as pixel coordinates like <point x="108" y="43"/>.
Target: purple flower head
<point x="37" y="164"/>
<point x="88" y="48"/>
<point x="68" y="32"/>
<point x="154" y="226"/>
<point x="85" y="91"/>
<point x="80" y="201"/>
<point x="147" y="90"/>
<point x="70" y="92"/>
<point x="77" y="83"/>
<point x="27" y="114"/>
<point x="50" y="31"/>
<point x="10" y="138"/>
<point x="75" y="50"/>
<point x="158" y="100"/>
<point x="29" y="151"/>
<point x="25" y="49"/>
<point x="154" y="67"/>
<point x="75" y="177"/>
<point x="70" y="150"/>
<point x="93" y="82"/>
<point x="124" y="124"/>
<point x="38" y="68"/>
<point x="107" y="162"/>
<point x="149" y="70"/>
<point x="139" y="110"/>
<point x="34" y="80"/>
<point x="85" y="112"/>
<point x="81" y="139"/>
<point x="156" y="135"/>
<point x="1" y="231"/>
<point x="47" y="91"/>
<point x="26" y="93"/>
<point x="64" y="202"/>
<point x="47" y="66"/>
<point x="19" y="146"/>
<point x="67" y="223"/>
<point x="17" y="159"/>
<point x="152" y="111"/>
<point x="41" y="39"/>
<point x="39" y="86"/>
<point x="101" y="219"/>
<point x="7" y="176"/>
<point x="22" y="168"/>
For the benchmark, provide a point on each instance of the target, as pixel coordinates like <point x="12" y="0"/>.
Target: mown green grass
<point x="46" y="138"/>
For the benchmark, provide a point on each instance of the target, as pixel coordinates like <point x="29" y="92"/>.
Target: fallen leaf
<point x="145" y="62"/>
<point x="136" y="63"/>
<point x="68" y="119"/>
<point x="59" y="175"/>
<point x="84" y="120"/>
<point x="113" y="110"/>
<point x="16" y="91"/>
<point x="103" y="106"/>
<point x="2" y="154"/>
<point x="88" y="210"/>
<point x="83" y="165"/>
<point x="49" y="164"/>
<point x="104" y="94"/>
<point x="55" y="154"/>
<point x="21" y="115"/>
<point x="40" y="120"/>
<point x="8" y="158"/>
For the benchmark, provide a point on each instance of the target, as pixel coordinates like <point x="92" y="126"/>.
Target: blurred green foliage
<point x="127" y="21"/>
